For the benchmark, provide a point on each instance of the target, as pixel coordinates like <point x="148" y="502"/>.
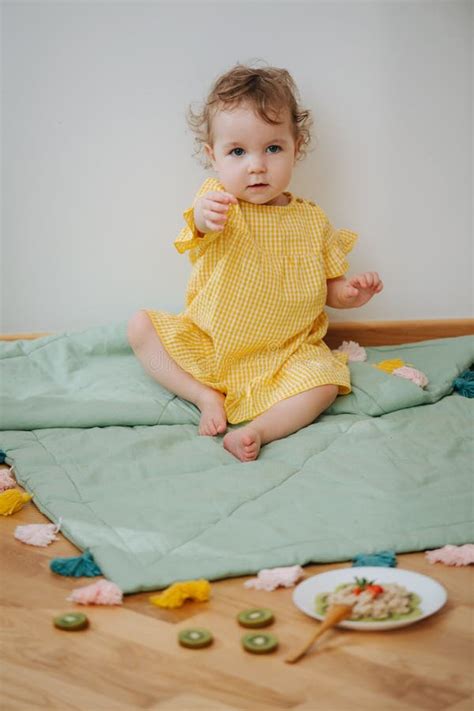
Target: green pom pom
<point x="83" y="566"/>
<point x="384" y="559"/>
<point x="464" y="383"/>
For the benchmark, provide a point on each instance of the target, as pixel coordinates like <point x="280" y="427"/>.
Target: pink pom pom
<point x="38" y="534"/>
<point x="416" y="376"/>
<point x="270" y="578"/>
<point x="353" y="350"/>
<point x="103" y="592"/>
<point x="452" y="555"/>
<point x="6" y="480"/>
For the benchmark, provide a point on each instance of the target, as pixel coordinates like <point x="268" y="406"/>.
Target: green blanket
<point x="100" y="444"/>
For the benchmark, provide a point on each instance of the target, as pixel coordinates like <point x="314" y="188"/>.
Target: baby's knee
<point x="329" y="393"/>
<point x="138" y="328"/>
<point x="332" y="390"/>
<point x="318" y="399"/>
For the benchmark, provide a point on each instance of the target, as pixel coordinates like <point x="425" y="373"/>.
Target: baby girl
<point x="248" y="348"/>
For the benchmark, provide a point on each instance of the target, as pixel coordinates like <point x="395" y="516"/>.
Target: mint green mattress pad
<point x="107" y="449"/>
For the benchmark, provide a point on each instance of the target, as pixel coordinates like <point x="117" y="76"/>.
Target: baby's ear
<point x="298" y="144"/>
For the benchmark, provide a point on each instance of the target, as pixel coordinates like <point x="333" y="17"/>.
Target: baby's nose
<point x="257" y="165"/>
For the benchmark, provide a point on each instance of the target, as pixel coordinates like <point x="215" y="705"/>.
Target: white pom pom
<point x="416" y="376"/>
<point x="103" y="592"/>
<point x="6" y="480"/>
<point x="38" y="534"/>
<point x="353" y="350"/>
<point x="271" y="578"/>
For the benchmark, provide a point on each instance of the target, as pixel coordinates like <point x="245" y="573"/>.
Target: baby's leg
<point x="149" y="350"/>
<point x="280" y="420"/>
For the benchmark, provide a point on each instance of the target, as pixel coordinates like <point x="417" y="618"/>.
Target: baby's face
<point x="248" y="151"/>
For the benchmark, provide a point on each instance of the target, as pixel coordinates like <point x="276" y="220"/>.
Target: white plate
<point x="432" y="594"/>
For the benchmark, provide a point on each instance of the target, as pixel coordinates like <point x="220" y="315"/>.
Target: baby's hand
<point x="359" y="289"/>
<point x="211" y="210"/>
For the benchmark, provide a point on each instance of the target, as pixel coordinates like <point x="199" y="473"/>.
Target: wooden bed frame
<point x="366" y="333"/>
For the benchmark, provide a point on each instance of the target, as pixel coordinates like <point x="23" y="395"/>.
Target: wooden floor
<point x="129" y="657"/>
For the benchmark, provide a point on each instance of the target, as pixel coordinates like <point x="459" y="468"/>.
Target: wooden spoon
<point x="335" y="614"/>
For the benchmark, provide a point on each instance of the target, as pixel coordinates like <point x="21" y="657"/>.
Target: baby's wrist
<point x="198" y="219"/>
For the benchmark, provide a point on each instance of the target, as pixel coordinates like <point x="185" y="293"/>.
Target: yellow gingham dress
<point x="254" y="318"/>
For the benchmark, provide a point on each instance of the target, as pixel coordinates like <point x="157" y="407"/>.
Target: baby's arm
<point x="350" y="293"/>
<point x="211" y="211"/>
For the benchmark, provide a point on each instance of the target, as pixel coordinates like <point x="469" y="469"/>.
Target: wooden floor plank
<point x="465" y="705"/>
<point x="194" y="702"/>
<point x="37" y="689"/>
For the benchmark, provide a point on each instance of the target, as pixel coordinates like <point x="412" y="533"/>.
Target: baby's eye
<point x="236" y="149"/>
<point x="274" y="146"/>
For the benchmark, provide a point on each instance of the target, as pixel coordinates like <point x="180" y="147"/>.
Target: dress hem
<point x="232" y="413"/>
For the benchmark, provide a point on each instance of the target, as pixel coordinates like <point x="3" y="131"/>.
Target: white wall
<point x="97" y="159"/>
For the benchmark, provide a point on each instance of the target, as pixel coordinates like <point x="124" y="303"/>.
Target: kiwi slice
<point x="71" y="621"/>
<point x="256" y="617"/>
<point x="195" y="638"/>
<point x="259" y="642"/>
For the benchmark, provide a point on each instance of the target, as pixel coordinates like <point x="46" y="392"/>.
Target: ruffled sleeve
<point x="190" y="238"/>
<point x="337" y="243"/>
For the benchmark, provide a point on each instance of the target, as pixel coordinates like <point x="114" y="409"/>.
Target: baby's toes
<point x="250" y="455"/>
<point x="221" y="427"/>
<point x="206" y="428"/>
<point x="218" y="426"/>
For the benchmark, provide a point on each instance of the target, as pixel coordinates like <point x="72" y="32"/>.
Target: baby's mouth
<point x="258" y="185"/>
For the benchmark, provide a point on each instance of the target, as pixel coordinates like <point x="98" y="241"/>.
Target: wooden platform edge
<point x="366" y="333"/>
<point x="381" y="333"/>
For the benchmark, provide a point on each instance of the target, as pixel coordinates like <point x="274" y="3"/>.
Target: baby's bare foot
<point x="243" y="443"/>
<point x="213" y="418"/>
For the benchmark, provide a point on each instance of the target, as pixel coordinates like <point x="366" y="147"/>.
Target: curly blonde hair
<point x="267" y="90"/>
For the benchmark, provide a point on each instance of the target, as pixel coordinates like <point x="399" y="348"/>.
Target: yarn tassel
<point x="82" y="566"/>
<point x="3" y="456"/>
<point x="384" y="559"/>
<point x="416" y="376"/>
<point x="6" y="480"/>
<point x="464" y="383"/>
<point x="12" y="501"/>
<point x="388" y="366"/>
<point x="103" y="592"/>
<point x="354" y="351"/>
<point x="178" y="593"/>
<point x="38" y="534"/>
<point x="452" y="555"/>
<point x="270" y="578"/>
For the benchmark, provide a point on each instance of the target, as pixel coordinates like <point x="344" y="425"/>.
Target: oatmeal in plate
<point x="371" y="601"/>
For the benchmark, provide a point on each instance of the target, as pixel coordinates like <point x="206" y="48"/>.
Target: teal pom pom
<point x="3" y="456"/>
<point x="464" y="383"/>
<point x="83" y="566"/>
<point x="384" y="559"/>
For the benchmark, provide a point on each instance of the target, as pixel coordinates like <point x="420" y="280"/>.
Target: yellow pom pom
<point x="176" y="594"/>
<point x="388" y="366"/>
<point x="12" y="501"/>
